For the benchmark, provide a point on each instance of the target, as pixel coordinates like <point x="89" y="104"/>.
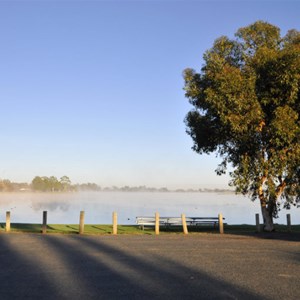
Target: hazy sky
<point x="93" y="89"/>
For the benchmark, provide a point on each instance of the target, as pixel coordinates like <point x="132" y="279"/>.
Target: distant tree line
<point x="8" y="186"/>
<point x="64" y="184"/>
<point x="47" y="184"/>
<point x="144" y="188"/>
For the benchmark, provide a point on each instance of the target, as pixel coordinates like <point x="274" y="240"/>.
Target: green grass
<point x="134" y="229"/>
<point x="72" y="228"/>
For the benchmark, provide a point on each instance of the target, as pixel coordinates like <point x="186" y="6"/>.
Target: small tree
<point x="246" y="109"/>
<point x="65" y="183"/>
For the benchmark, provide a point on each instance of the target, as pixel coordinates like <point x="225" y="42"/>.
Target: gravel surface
<point x="196" y="266"/>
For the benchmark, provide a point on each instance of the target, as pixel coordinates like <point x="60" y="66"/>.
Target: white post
<point x="184" y="226"/>
<point x="7" y="228"/>
<point x="157" y="223"/>
<point x="81" y="222"/>
<point x="115" y="223"/>
<point x="221" y="226"/>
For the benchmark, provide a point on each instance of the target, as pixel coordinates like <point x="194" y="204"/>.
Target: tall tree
<point x="246" y="103"/>
<point x="65" y="183"/>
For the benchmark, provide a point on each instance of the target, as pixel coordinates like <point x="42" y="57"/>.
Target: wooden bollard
<point x="81" y="222"/>
<point x="157" y="223"/>
<point x="184" y="226"/>
<point x="221" y="226"/>
<point x="288" y="220"/>
<point x="44" y="226"/>
<point x="257" y="223"/>
<point x="115" y="223"/>
<point x="7" y="227"/>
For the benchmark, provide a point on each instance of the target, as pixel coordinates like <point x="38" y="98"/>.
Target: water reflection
<point x="64" y="208"/>
<point x="52" y="206"/>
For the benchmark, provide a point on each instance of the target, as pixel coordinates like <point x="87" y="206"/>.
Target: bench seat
<point x="176" y="221"/>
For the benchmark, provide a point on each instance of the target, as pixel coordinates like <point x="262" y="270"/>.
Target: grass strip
<point x="135" y="229"/>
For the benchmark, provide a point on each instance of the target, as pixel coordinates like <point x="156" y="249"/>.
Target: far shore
<point x="125" y="190"/>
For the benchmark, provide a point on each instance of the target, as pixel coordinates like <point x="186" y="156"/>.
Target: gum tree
<point x="246" y="109"/>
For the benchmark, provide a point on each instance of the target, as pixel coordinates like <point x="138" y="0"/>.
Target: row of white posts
<point x="259" y="226"/>
<point x="44" y="224"/>
<point x="114" y="222"/>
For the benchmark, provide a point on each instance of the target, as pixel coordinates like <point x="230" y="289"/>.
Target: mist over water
<point x="64" y="208"/>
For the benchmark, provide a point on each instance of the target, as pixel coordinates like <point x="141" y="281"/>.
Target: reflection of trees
<point x="51" y="206"/>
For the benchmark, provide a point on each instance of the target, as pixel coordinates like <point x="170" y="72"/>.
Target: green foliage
<point x="51" y="184"/>
<point x="246" y="103"/>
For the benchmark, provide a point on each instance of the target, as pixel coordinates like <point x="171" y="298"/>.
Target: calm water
<point x="98" y="206"/>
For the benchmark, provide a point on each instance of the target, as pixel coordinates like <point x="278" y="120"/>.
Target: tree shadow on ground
<point x="118" y="273"/>
<point x="100" y="229"/>
<point x="81" y="267"/>
<point x="26" y="227"/>
<point x="276" y="235"/>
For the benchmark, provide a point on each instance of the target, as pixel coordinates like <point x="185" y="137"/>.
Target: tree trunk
<point x="267" y="217"/>
<point x="266" y="210"/>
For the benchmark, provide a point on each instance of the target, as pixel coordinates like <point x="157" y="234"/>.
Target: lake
<point x="64" y="208"/>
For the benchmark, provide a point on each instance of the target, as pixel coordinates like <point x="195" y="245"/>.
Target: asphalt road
<point x="197" y="266"/>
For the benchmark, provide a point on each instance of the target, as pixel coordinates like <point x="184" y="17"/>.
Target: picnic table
<point x="177" y="221"/>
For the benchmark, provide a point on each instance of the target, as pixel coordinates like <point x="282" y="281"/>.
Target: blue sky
<point x="94" y="89"/>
